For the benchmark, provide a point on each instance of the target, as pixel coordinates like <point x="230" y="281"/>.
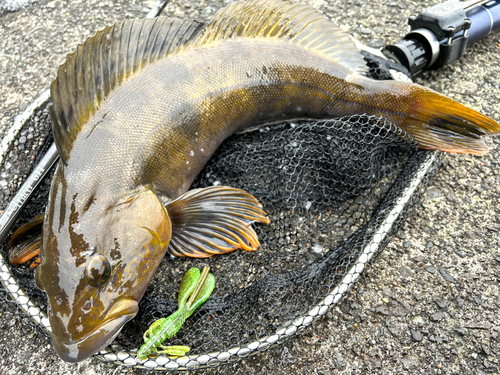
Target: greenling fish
<point x="138" y="110"/>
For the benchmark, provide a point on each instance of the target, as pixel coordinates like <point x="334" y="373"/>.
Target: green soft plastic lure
<point x="197" y="287"/>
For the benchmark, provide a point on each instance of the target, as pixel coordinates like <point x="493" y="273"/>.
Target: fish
<point x="140" y="107"/>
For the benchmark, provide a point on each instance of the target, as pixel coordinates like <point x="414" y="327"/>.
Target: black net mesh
<point x="331" y="190"/>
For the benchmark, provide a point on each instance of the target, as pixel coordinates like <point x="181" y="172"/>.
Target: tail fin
<point x="440" y="123"/>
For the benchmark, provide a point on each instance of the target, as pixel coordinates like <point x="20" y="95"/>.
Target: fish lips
<point x="100" y="337"/>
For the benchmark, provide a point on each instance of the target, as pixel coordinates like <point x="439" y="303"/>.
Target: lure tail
<point x="440" y="123"/>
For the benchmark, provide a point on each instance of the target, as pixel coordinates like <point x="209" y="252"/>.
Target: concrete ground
<point x="431" y="302"/>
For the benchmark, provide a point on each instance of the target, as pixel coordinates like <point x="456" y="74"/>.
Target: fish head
<point x="96" y="265"/>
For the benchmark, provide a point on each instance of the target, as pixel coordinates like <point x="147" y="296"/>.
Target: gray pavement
<point x="431" y="302"/>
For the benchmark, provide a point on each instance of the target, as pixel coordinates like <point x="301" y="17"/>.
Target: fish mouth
<point x="98" y="338"/>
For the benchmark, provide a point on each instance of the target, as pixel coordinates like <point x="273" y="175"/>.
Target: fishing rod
<point x="440" y="34"/>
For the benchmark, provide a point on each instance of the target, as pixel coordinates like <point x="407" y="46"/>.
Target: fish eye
<point x="98" y="271"/>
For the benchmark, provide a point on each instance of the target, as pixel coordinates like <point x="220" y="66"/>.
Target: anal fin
<point x="214" y="220"/>
<point x="25" y="244"/>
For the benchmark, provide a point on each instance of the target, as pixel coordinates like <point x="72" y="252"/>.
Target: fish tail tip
<point x="440" y="123"/>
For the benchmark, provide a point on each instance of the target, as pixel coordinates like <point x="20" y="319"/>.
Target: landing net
<point x="335" y="191"/>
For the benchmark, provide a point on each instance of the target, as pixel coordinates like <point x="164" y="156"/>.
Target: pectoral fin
<point x="25" y="243"/>
<point x="214" y="220"/>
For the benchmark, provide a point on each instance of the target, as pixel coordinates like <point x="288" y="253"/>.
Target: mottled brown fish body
<point x="173" y="115"/>
<point x="140" y="108"/>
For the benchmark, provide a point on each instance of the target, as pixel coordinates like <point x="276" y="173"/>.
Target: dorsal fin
<point x="103" y="62"/>
<point x="113" y="54"/>
<point x="285" y="20"/>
